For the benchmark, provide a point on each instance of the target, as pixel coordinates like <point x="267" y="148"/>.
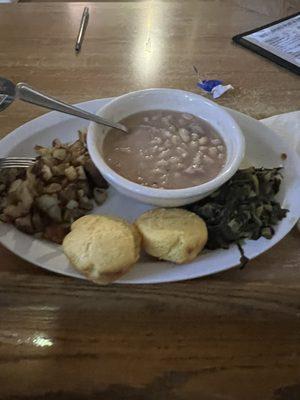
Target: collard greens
<point x="243" y="208"/>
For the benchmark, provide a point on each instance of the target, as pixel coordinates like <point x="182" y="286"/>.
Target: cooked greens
<point x="243" y="208"/>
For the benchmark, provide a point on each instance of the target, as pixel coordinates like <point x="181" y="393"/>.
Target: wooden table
<point x="235" y="335"/>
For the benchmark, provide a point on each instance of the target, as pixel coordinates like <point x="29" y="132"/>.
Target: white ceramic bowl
<point x="167" y="99"/>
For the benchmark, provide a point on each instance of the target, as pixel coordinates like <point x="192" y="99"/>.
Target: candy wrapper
<point x="214" y="87"/>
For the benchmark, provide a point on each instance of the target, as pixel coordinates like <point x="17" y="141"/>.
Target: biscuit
<point x="102" y="248"/>
<point x="172" y="234"/>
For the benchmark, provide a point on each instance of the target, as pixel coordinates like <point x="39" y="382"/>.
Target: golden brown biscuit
<point x="102" y="248"/>
<point x="172" y="234"/>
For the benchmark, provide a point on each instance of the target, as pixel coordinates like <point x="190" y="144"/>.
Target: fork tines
<point x="16" y="162"/>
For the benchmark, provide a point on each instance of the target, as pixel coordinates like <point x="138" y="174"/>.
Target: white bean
<point x="174" y="139"/>
<point x="193" y="144"/>
<point x="125" y="149"/>
<point x="167" y="134"/>
<point x="172" y="128"/>
<point x="168" y="143"/>
<point x="198" y="167"/>
<point x="212" y="151"/>
<point x="179" y="166"/>
<point x="162" y="163"/>
<point x="165" y="154"/>
<point x="161" y="149"/>
<point x="197" y="159"/>
<point x="203" y="140"/>
<point x="208" y="160"/>
<point x="146" y="119"/>
<point x="157" y="171"/>
<point x="190" y="170"/>
<point x="149" y="157"/>
<point x="220" y="148"/>
<point x="184" y="146"/>
<point x="195" y="136"/>
<point x="181" y="152"/>
<point x="184" y="134"/>
<point x="174" y="160"/>
<point x="203" y="148"/>
<point x="221" y="156"/>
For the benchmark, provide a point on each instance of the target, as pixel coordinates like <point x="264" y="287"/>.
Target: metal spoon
<point x="9" y="92"/>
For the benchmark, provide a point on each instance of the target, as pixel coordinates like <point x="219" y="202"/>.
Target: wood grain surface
<point x="235" y="335"/>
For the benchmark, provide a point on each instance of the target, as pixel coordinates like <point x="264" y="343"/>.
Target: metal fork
<point x="17" y="162"/>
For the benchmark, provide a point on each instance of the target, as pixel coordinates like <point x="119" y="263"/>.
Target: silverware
<point x="9" y="92"/>
<point x="16" y="162"/>
<point x="82" y="29"/>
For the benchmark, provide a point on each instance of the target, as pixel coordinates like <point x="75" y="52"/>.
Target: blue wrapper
<point x="214" y="87"/>
<point x="209" y="84"/>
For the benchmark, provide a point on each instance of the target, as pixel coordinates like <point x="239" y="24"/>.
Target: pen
<point x="82" y="28"/>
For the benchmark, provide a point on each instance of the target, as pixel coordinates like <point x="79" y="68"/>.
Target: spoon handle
<point x="28" y="94"/>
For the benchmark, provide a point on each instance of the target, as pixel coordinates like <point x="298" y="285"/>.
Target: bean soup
<point x="165" y="149"/>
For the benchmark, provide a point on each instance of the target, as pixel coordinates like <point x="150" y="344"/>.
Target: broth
<point x="165" y="149"/>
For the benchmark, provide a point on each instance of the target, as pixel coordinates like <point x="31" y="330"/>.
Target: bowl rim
<point x="151" y="192"/>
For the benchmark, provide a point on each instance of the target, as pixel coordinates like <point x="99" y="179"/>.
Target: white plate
<point x="263" y="148"/>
